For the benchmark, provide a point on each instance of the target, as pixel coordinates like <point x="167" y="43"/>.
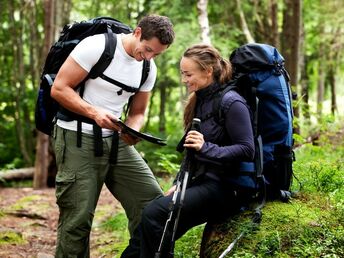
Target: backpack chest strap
<point x="119" y="84"/>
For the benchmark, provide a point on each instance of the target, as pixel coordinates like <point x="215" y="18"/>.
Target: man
<point x="81" y="173"/>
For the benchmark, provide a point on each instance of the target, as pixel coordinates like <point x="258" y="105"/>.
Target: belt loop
<point x="98" y="140"/>
<point x="114" y="149"/>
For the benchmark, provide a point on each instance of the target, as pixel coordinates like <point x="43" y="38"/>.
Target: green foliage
<point x="116" y="223"/>
<point x="166" y="163"/>
<point x="163" y="159"/>
<point x="19" y="75"/>
<point x="188" y="245"/>
<point x="21" y="183"/>
<point x="9" y="157"/>
<point x="296" y="229"/>
<point x="160" y="159"/>
<point x="116" y="235"/>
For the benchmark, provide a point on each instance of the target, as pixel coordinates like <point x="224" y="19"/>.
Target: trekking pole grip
<point x="196" y="124"/>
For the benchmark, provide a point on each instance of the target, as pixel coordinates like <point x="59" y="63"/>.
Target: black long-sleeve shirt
<point x="227" y="144"/>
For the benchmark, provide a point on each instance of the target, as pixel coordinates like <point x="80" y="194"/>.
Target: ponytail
<point x="226" y="71"/>
<point x="189" y="110"/>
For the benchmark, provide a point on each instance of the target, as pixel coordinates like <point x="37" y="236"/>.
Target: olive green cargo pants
<point x="79" y="180"/>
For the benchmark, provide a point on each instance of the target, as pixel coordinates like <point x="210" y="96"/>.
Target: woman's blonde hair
<point x="206" y="56"/>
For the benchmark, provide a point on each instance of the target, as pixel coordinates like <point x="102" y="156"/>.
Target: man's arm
<point x="63" y="91"/>
<point x="136" y="114"/>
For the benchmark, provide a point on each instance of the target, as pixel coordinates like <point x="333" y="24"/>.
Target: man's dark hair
<point x="157" y="26"/>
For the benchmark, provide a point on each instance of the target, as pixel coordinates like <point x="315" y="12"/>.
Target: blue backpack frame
<point x="260" y="77"/>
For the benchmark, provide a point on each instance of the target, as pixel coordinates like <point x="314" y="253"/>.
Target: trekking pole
<point x="196" y="122"/>
<point x="169" y="219"/>
<point x="181" y="202"/>
<point x="256" y="218"/>
<point x="181" y="185"/>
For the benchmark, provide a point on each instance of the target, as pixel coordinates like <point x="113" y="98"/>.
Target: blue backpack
<point x="260" y="77"/>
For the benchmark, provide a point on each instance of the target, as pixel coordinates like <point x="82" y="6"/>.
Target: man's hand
<point x="105" y="119"/>
<point x="129" y="139"/>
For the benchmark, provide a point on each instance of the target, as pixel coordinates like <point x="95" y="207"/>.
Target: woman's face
<point x="193" y="76"/>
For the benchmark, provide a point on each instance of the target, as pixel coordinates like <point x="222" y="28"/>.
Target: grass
<point x="114" y="235"/>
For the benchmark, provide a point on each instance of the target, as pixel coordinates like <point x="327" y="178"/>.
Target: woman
<point x="218" y="148"/>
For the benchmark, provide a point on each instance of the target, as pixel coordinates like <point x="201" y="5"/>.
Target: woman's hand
<point x="194" y="140"/>
<point x="171" y="190"/>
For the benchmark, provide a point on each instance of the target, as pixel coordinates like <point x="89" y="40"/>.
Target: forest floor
<point x="28" y="221"/>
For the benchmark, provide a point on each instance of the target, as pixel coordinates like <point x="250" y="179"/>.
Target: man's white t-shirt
<point x="98" y="92"/>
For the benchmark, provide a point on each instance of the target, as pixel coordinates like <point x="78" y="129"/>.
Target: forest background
<point x="308" y="33"/>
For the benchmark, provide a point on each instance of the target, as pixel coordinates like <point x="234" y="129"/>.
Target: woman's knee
<point x="155" y="212"/>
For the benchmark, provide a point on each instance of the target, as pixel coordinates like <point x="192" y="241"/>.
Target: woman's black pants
<point x="204" y="201"/>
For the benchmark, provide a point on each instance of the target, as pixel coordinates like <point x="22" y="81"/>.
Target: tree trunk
<point x="332" y="82"/>
<point x="305" y="91"/>
<point x="35" y="42"/>
<point x="162" y="113"/>
<point x="17" y="174"/>
<point x="203" y="20"/>
<point x="244" y="26"/>
<point x="63" y="9"/>
<point x="56" y="14"/>
<point x="334" y="59"/>
<point x="321" y="83"/>
<point x="42" y="144"/>
<point x="150" y="109"/>
<point x="40" y="178"/>
<point x="291" y="44"/>
<point x="274" y="23"/>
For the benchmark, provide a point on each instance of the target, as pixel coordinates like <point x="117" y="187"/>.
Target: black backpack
<point x="260" y="77"/>
<point x="47" y="108"/>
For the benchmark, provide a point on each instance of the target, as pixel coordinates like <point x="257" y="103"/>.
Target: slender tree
<point x="203" y="20"/>
<point x="274" y="23"/>
<point x="291" y="44"/>
<point x="42" y="145"/>
<point x="243" y="23"/>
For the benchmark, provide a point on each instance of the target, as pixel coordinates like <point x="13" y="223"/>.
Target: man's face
<point x="146" y="49"/>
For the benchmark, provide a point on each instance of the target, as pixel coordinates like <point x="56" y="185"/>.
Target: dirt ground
<point x="32" y="215"/>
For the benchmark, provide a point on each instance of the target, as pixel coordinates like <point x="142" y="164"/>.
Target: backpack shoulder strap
<point x="145" y="71"/>
<point x="107" y="55"/>
<point x="104" y="60"/>
<point x="217" y="110"/>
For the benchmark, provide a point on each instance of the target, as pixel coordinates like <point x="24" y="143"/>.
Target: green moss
<point x="11" y="237"/>
<point x="188" y="245"/>
<point x="115" y="235"/>
<point x="25" y="202"/>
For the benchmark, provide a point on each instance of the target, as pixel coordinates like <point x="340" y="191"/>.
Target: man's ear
<point x="137" y="32"/>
